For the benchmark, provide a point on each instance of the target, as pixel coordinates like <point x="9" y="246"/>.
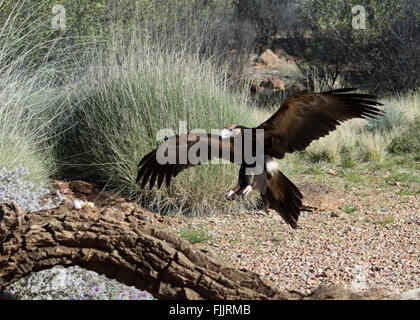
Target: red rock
<point x="269" y="58"/>
<point x="81" y="186"/>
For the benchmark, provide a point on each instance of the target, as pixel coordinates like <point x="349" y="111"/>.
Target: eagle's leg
<point x="231" y="194"/>
<point x="244" y="186"/>
<point x="247" y="190"/>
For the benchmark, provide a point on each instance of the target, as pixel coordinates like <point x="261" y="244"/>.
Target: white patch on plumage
<point x="272" y="166"/>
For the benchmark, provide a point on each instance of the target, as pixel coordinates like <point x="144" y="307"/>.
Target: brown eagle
<point x="301" y="119"/>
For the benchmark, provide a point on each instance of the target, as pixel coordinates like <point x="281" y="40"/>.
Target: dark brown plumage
<point x="301" y="119"/>
<point x="151" y="170"/>
<point x="306" y="117"/>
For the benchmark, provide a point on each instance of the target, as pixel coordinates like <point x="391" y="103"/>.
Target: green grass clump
<point x="387" y="220"/>
<point x="348" y="209"/>
<point x="26" y="100"/>
<point x="25" y="132"/>
<point x="195" y="235"/>
<point x="408" y="141"/>
<point x="404" y="177"/>
<point x="359" y="141"/>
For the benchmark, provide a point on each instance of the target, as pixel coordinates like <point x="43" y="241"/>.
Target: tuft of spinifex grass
<point x="358" y="141"/>
<point x="25" y="104"/>
<point x="24" y="128"/>
<point x="132" y="93"/>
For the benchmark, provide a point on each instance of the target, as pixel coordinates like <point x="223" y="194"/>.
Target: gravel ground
<point x="15" y="188"/>
<point x="73" y="283"/>
<point x="359" y="242"/>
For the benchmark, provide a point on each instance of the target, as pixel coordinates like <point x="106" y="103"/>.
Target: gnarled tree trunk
<point x="123" y="246"/>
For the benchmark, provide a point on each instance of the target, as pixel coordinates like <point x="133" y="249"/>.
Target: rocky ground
<point x="360" y="239"/>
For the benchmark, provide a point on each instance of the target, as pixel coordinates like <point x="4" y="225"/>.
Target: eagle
<point x="300" y="119"/>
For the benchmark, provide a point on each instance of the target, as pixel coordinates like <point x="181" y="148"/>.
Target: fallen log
<point x="122" y="246"/>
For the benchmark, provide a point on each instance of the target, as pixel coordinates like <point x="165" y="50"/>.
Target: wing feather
<point x="306" y="117"/>
<point x="150" y="170"/>
<point x="284" y="197"/>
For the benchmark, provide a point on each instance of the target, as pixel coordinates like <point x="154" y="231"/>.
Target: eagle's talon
<point x="230" y="195"/>
<point x="246" y="191"/>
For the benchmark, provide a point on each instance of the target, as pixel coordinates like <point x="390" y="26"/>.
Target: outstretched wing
<point x="180" y="152"/>
<point x="305" y="117"/>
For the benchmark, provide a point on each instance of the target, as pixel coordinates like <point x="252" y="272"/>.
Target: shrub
<point x="393" y="117"/>
<point x="408" y="141"/>
<point x="383" y="56"/>
<point x="195" y="235"/>
<point x="92" y="22"/>
<point x="320" y="35"/>
<point x="257" y="21"/>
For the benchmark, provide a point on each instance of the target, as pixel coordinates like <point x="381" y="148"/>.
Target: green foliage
<point x="348" y="209"/>
<point x="29" y="24"/>
<point x="94" y="21"/>
<point x="326" y="18"/>
<point x="408" y="141"/>
<point x="393" y="117"/>
<point x="195" y="235"/>
<point x="387" y="220"/>
<point x="382" y="56"/>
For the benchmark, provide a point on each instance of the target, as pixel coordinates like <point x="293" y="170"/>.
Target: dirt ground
<point x="360" y="238"/>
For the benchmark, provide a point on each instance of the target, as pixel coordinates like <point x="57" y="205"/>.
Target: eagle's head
<point x="231" y="130"/>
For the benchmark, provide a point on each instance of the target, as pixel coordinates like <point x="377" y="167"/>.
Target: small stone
<point x="81" y="186"/>
<point x="270" y="58"/>
<point x="78" y="204"/>
<point x="90" y="205"/>
<point x="332" y="172"/>
<point x="329" y="273"/>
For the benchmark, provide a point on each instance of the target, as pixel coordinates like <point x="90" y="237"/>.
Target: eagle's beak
<point x="226" y="133"/>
